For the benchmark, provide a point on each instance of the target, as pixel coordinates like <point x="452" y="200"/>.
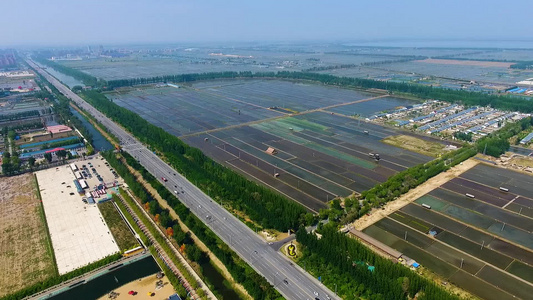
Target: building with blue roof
<point x="527" y="139"/>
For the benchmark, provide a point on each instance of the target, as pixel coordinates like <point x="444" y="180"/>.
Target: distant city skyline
<point x="115" y="22"/>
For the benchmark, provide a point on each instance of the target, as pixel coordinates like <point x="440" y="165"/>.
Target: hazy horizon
<point x="120" y="22"/>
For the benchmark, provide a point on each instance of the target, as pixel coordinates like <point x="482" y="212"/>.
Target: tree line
<point x="343" y="264"/>
<point x="395" y="186"/>
<point x="524" y="65"/>
<point x="390" y="61"/>
<point x="402" y="182"/>
<point x="468" y="98"/>
<point x="333" y="67"/>
<point x="497" y="143"/>
<point x="266" y="207"/>
<point x="20" y="115"/>
<point x="62" y="143"/>
<point x="254" y="283"/>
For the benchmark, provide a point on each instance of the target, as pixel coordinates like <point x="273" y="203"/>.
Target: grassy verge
<point x="120" y="231"/>
<point x="160" y="239"/>
<point x="136" y="228"/>
<point x="50" y="248"/>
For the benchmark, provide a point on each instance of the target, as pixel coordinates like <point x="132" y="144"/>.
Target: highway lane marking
<point x="197" y="196"/>
<point x="272" y="263"/>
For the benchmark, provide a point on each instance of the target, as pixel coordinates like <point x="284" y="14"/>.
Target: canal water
<point x="214" y="277"/>
<point x="100" y="143"/>
<point x="106" y="283"/>
<point x="66" y="79"/>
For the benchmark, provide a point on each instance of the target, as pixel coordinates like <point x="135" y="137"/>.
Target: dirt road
<point x="424" y="188"/>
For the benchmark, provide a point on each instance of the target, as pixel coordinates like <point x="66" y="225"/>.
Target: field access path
<point x="414" y="194"/>
<point x="283" y="114"/>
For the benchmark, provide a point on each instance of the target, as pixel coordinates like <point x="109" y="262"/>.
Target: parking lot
<point x="96" y="171"/>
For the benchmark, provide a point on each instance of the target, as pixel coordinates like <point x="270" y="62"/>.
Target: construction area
<point x="78" y="231"/>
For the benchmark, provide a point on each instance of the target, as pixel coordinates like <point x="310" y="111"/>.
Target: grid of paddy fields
<point x="319" y="156"/>
<point x="482" y="244"/>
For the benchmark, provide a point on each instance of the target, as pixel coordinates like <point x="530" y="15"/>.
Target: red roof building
<point x="58" y="129"/>
<point x="54" y="150"/>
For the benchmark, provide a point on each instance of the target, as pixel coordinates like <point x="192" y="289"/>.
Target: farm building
<point x="271" y="151"/>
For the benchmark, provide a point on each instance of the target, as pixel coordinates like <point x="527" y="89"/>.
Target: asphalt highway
<point x="289" y="279"/>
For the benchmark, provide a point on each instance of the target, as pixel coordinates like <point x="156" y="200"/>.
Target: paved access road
<point x="289" y="279"/>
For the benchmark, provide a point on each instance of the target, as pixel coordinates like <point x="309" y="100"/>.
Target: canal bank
<point x="65" y="79"/>
<point x="105" y="281"/>
<point x="100" y="143"/>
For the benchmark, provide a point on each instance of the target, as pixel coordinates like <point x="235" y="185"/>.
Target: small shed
<point x="271" y="151"/>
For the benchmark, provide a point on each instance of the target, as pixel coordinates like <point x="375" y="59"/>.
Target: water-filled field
<point x="312" y="158"/>
<point x="318" y="155"/>
<point x="493" y="243"/>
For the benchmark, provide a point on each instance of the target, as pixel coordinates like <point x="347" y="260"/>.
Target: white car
<point x="316" y="293"/>
<point x="176" y="192"/>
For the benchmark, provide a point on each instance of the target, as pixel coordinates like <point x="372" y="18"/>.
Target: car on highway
<point x="164" y="179"/>
<point x="176" y="192"/>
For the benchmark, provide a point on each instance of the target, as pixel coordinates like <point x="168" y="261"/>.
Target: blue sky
<point x="63" y="22"/>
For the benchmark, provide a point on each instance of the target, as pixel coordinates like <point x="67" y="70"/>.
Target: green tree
<point x="62" y="154"/>
<point x="31" y="162"/>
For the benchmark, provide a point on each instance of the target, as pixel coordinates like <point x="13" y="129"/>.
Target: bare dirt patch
<point x="271" y="235"/>
<point x="143" y="287"/>
<point x="522" y="161"/>
<point x="498" y="64"/>
<point x="424" y="188"/>
<point x="415" y="144"/>
<point x="25" y="250"/>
